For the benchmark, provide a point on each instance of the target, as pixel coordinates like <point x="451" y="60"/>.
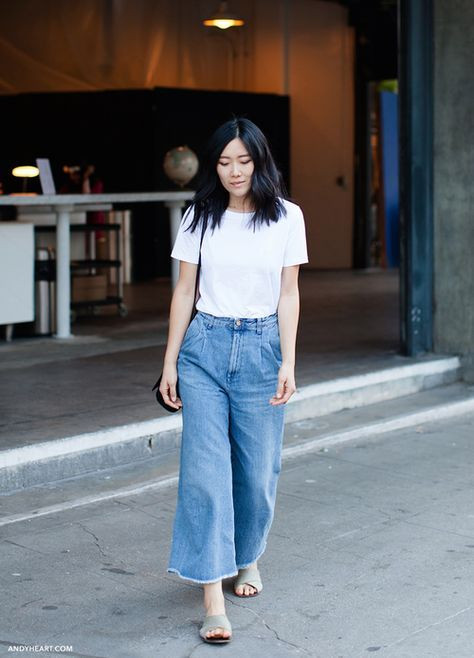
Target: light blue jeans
<point x="231" y="445"/>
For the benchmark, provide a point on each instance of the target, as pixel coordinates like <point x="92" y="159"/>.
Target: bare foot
<point x="214" y="603"/>
<point x="246" y="590"/>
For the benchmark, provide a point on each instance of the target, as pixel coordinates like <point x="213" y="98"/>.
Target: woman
<point x="235" y="365"/>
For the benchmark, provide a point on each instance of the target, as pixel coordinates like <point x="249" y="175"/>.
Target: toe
<point x="245" y="590"/>
<point x="218" y="632"/>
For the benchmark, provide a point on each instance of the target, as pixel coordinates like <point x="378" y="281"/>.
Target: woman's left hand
<point x="286" y="385"/>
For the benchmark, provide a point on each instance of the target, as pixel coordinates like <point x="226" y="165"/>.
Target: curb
<point x="439" y="412"/>
<point x="76" y="455"/>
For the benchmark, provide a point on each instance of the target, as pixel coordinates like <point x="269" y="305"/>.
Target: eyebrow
<point x="227" y="157"/>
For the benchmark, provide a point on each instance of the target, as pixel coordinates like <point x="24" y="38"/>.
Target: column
<point x="175" y="220"/>
<point x="416" y="176"/>
<point x="453" y="186"/>
<point x="63" y="272"/>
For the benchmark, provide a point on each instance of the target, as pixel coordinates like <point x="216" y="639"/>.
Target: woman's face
<point x="235" y="168"/>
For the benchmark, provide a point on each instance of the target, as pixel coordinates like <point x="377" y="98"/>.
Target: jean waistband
<point x="247" y="324"/>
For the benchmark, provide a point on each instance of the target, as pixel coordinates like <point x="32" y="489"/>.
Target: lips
<point x="238" y="184"/>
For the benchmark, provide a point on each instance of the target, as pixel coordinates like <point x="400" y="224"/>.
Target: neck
<point x="242" y="205"/>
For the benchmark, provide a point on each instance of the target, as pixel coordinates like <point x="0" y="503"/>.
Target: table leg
<point x="63" y="273"/>
<point x="175" y="221"/>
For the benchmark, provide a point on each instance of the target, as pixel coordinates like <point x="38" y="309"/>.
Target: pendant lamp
<point x="223" y="18"/>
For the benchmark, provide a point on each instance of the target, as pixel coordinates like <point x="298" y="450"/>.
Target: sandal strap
<point x="249" y="576"/>
<point x="215" y="621"/>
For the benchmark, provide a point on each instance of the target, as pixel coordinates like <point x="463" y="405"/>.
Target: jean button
<point x="237" y="323"/>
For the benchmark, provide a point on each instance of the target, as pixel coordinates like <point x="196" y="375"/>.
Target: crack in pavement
<point x="198" y="646"/>
<point x="97" y="542"/>
<point x="424" y="628"/>
<point x="383" y="469"/>
<point x="103" y="554"/>
<point x="28" y="548"/>
<point x="23" y="605"/>
<point x="141" y="510"/>
<point x="267" y="626"/>
<point x="442" y="530"/>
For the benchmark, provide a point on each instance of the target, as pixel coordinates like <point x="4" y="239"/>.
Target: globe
<point x="180" y="165"/>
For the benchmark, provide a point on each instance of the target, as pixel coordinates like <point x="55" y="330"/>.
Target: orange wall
<point x="312" y="60"/>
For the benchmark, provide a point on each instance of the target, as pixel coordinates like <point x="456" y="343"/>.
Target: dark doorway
<point x="394" y="43"/>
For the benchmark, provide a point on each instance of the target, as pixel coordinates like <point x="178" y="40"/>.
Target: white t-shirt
<point x="241" y="269"/>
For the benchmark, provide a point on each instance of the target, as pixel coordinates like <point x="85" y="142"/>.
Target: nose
<point x="235" y="171"/>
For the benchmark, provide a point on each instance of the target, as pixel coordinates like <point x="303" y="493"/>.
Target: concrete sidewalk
<point x="50" y="389"/>
<point x="371" y="550"/>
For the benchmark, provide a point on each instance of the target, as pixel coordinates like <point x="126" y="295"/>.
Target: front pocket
<point x="192" y="332"/>
<point x="274" y="344"/>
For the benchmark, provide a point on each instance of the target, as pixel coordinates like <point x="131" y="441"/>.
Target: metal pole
<point x="416" y="175"/>
<point x="63" y="273"/>
<point x="175" y="220"/>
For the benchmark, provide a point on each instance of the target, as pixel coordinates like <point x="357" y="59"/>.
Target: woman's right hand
<point x="168" y="383"/>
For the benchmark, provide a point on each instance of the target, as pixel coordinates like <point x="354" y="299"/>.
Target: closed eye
<point x="244" y="162"/>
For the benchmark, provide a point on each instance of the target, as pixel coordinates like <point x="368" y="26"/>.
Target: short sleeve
<point x="296" y="251"/>
<point x="186" y="244"/>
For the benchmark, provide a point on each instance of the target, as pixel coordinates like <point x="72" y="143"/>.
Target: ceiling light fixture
<point x="223" y="18"/>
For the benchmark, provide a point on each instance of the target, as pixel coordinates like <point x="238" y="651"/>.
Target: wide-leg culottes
<point x="231" y="445"/>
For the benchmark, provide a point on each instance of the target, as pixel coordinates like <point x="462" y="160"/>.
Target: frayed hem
<point x="201" y="582"/>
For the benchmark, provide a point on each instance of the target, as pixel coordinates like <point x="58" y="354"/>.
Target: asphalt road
<point x="371" y="551"/>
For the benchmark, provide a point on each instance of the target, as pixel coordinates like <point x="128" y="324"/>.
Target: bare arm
<point x="182" y="304"/>
<point x="288" y="317"/>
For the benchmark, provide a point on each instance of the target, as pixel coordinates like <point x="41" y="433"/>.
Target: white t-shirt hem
<point x="298" y="262"/>
<point x="184" y="257"/>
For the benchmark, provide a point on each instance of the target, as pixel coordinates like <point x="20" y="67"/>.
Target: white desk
<point x="63" y="205"/>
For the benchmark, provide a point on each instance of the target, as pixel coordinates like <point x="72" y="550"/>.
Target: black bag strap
<point x="159" y="397"/>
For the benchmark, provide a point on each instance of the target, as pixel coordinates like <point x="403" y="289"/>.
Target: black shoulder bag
<point x="159" y="397"/>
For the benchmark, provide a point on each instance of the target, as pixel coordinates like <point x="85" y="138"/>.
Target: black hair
<point x="267" y="188"/>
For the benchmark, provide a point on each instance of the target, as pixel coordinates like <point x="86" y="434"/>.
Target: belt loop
<point x="210" y="321"/>
<point x="259" y="326"/>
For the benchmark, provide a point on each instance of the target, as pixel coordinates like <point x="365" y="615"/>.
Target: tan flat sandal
<point x="249" y="576"/>
<point x="211" y="622"/>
